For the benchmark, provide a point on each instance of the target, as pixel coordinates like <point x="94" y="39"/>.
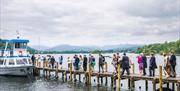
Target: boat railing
<point x="13" y="53"/>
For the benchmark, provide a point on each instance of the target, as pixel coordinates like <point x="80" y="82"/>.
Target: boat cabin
<point x="14" y="52"/>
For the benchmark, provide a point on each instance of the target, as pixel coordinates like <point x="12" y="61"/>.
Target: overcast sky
<point x="91" y="22"/>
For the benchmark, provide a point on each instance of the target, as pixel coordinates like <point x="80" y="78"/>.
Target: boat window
<point x="11" y="61"/>
<point x="25" y="60"/>
<point x="20" y="45"/>
<point x="17" y="45"/>
<point x="1" y="61"/>
<point x="19" y="61"/>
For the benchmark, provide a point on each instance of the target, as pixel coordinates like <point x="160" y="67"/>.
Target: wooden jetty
<point x="158" y="79"/>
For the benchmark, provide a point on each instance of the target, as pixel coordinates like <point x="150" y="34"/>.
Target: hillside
<point x="161" y="48"/>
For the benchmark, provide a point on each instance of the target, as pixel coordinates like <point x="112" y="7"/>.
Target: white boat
<point x="14" y="58"/>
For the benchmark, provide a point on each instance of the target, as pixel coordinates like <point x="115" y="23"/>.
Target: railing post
<point x="119" y="77"/>
<point x="160" y="78"/>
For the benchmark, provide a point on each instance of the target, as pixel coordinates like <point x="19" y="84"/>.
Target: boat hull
<point x="17" y="71"/>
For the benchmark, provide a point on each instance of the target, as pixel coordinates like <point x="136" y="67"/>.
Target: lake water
<point x="43" y="84"/>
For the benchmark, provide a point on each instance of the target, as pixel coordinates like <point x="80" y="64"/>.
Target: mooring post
<point x="119" y="76"/>
<point x="71" y="71"/>
<point x="106" y="70"/>
<point x="89" y="74"/>
<point x="160" y="78"/>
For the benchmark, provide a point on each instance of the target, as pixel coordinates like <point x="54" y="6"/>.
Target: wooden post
<point x="132" y="85"/>
<point x="178" y="87"/>
<point x="119" y="76"/>
<point x="65" y="78"/>
<point x="106" y="70"/>
<point x="112" y="81"/>
<point x="89" y="73"/>
<point x="154" y="85"/>
<point x="49" y="72"/>
<point x="167" y="85"/>
<point x="133" y="71"/>
<point x="160" y="78"/>
<point x="97" y="78"/>
<point x="79" y="77"/>
<point x="173" y="86"/>
<point x="146" y="85"/>
<point x="57" y="70"/>
<point x="74" y="75"/>
<point x="129" y="84"/>
<point x="71" y="71"/>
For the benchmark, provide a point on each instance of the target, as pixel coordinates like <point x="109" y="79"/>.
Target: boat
<point x="14" y="58"/>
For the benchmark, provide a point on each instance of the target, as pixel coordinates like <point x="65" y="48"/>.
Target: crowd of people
<point x="81" y="62"/>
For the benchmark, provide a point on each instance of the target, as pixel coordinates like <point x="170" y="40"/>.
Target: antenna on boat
<point x="1" y="34"/>
<point x="39" y="44"/>
<point x="18" y="35"/>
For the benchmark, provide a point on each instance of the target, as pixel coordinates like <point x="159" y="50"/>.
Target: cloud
<point x="88" y="22"/>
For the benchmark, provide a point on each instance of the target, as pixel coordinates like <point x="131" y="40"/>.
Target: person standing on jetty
<point x="61" y="61"/>
<point x="81" y="62"/>
<point x="167" y="65"/>
<point x="33" y="58"/>
<point x="44" y="60"/>
<point x="173" y="63"/>
<point x="52" y="61"/>
<point x="115" y="63"/>
<point x="140" y="62"/>
<point x="93" y="63"/>
<point x="125" y="64"/>
<point x="101" y="63"/>
<point x="152" y="65"/>
<point x="76" y="63"/>
<point x="85" y="63"/>
<point x="144" y="58"/>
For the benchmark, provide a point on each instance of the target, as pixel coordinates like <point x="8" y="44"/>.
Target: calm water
<point x="42" y="84"/>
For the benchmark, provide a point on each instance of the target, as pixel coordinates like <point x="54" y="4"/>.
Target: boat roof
<point x="16" y="41"/>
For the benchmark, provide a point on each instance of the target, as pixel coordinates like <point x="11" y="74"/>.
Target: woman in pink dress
<point x="140" y="62"/>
